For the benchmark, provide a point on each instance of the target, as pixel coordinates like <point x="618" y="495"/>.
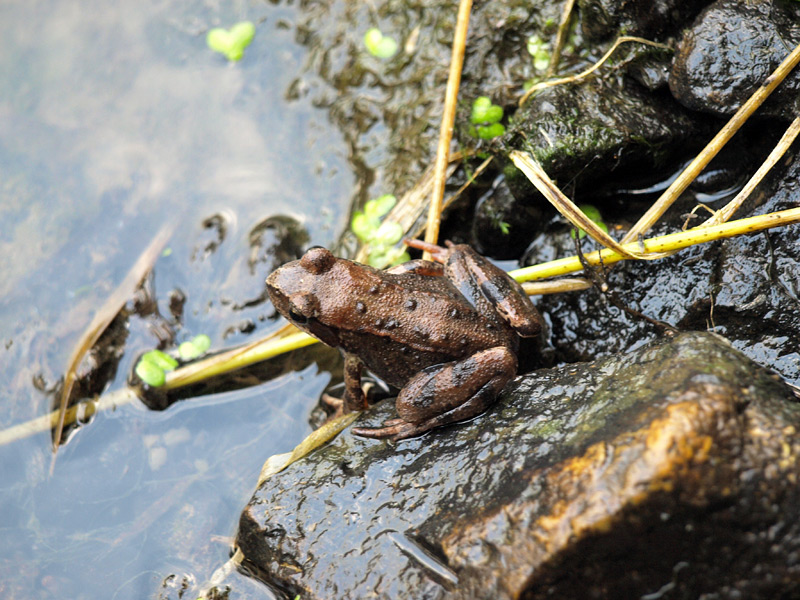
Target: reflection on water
<point x="115" y="117"/>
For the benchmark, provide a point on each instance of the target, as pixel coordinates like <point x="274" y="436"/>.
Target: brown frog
<point x="443" y="332"/>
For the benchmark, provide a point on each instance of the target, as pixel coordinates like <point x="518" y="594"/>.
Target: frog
<point x="444" y="332"/>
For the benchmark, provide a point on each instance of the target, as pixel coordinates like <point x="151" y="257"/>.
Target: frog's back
<point x="409" y="322"/>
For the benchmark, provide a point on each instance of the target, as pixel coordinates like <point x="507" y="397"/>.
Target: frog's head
<point x="295" y="291"/>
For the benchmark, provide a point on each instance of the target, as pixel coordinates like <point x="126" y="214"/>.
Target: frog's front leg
<point x="354" y="396"/>
<point x="447" y="393"/>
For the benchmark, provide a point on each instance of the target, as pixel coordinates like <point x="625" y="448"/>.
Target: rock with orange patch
<point x="670" y="471"/>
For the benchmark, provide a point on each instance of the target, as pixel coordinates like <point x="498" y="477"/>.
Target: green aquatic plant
<point x="485" y="119"/>
<point x="195" y="347"/>
<point x="381" y="237"/>
<point x="231" y="42"/>
<point x="153" y="366"/>
<point x="379" y="45"/>
<point x="540" y="52"/>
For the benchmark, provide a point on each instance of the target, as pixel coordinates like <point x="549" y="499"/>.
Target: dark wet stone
<point x="501" y="226"/>
<point x="644" y="18"/>
<point x="675" y="464"/>
<point x="745" y="288"/>
<point x="600" y="129"/>
<point x="729" y="52"/>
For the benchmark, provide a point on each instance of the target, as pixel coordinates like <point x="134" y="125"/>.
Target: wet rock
<point x="645" y="18"/>
<point x="501" y="225"/>
<point x="601" y="128"/>
<point x="672" y="468"/>
<point x="730" y="50"/>
<point x="744" y="288"/>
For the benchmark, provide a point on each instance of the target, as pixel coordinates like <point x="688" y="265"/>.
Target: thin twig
<point x="448" y="119"/>
<point x="584" y="74"/>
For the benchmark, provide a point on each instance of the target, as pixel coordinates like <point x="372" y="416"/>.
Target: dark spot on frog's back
<point x="317" y="260"/>
<point x="421" y="332"/>
<point x="410" y="304"/>
<point x="361" y="308"/>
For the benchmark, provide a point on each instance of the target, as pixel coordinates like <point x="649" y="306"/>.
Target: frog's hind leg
<point x="447" y="393"/>
<point x="400" y="429"/>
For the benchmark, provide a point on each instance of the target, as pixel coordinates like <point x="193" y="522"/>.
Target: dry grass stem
<point x="689" y="174"/>
<point x="556" y="286"/>
<point x="81" y="411"/>
<point x="561" y="38"/>
<point x="662" y="244"/>
<point x="448" y="120"/>
<point x="278" y="462"/>
<point x="274" y="344"/>
<point x="778" y="151"/>
<point x="533" y="171"/>
<point x="237" y="358"/>
<point x="103" y="318"/>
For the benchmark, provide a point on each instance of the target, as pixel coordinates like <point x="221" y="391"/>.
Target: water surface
<point x="114" y="119"/>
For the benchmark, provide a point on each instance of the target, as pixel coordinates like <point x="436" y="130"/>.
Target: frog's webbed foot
<point x="400" y="429"/>
<point x="394" y="429"/>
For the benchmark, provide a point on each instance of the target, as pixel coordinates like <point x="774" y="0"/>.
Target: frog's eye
<point x="302" y="307"/>
<point x="317" y="260"/>
<point x="296" y="317"/>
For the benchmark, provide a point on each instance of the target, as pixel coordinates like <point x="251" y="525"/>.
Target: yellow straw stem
<point x="235" y="359"/>
<point x="665" y="243"/>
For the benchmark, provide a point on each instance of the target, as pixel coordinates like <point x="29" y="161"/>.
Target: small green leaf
<point x="485" y="119"/>
<point x="389" y="233"/>
<point x="202" y="342"/>
<point x="363" y="226"/>
<point x="539" y="50"/>
<point x="378" y="207"/>
<point x="231" y="42"/>
<point x="197" y="346"/>
<point x="150" y="373"/>
<point x="483" y="111"/>
<point x="494" y="114"/>
<point x="593" y="213"/>
<point x="381" y="256"/>
<point x="379" y="45"/>
<point x="397" y="256"/>
<point x="504" y="227"/>
<point x="489" y="132"/>
<point x="187" y="351"/>
<point x="160" y="359"/>
<point x="377" y="258"/>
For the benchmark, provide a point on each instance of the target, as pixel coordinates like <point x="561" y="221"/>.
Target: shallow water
<point x="114" y="119"/>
